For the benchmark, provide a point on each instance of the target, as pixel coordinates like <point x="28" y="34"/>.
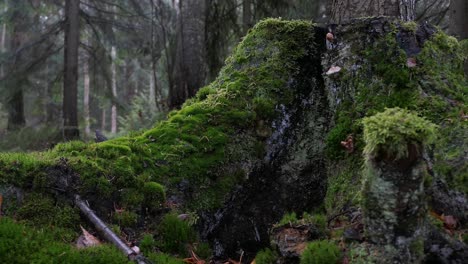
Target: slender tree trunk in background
<point x="114" y="90"/>
<point x="86" y="92"/>
<point x="70" y="79"/>
<point x="190" y="70"/>
<point x="343" y="10"/>
<point x="152" y="92"/>
<point x="103" y="119"/>
<point x="3" y="40"/>
<point x="15" y="103"/>
<point x="459" y="22"/>
<point x="246" y="15"/>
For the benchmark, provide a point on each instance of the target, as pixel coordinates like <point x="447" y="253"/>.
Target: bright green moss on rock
<point x="392" y="131"/>
<point x="154" y="195"/>
<point x="321" y="252"/>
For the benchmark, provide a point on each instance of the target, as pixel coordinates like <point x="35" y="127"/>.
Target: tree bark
<point x="190" y="70"/>
<point x="15" y="104"/>
<point x="247" y="15"/>
<point x="114" y="90"/>
<point x="70" y="84"/>
<point x="459" y="22"/>
<point x="459" y="18"/>
<point x="343" y="10"/>
<point x="86" y="92"/>
<point x="3" y="39"/>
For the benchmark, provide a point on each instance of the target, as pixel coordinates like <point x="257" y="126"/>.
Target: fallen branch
<point x="108" y="234"/>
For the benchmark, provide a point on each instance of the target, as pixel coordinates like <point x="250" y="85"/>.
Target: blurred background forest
<point x="70" y="67"/>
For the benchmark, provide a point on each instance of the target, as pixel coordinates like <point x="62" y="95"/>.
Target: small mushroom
<point x="333" y="69"/>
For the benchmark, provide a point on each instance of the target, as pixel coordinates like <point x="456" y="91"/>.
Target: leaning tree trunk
<point x="70" y="78"/>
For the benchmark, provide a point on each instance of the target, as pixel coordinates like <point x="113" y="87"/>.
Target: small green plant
<point x="154" y="195"/>
<point x="359" y="254"/>
<point x="203" y="250"/>
<point x="175" y="234"/>
<point x="161" y="258"/>
<point x="147" y="243"/>
<point x="393" y="130"/>
<point x="410" y="26"/>
<point x="321" y="252"/>
<point x="266" y="256"/>
<point x="126" y="218"/>
<point x="289" y="218"/>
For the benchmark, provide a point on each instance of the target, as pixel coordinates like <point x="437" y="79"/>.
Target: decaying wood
<point x="107" y="233"/>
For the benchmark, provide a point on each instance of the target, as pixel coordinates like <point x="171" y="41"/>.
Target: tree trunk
<point x="3" y="40"/>
<point x="86" y="92"/>
<point x="459" y="22"/>
<point x="152" y="91"/>
<point x="15" y="104"/>
<point x="103" y="119"/>
<point x="70" y="79"/>
<point x="190" y="70"/>
<point x="246" y="15"/>
<point x="114" y="90"/>
<point x="343" y="10"/>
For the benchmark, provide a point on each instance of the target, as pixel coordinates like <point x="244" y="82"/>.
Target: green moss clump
<point x="410" y="26"/>
<point x="175" y="234"/>
<point x="21" y="244"/>
<point x="393" y="130"/>
<point x="266" y="256"/>
<point x="321" y="252"/>
<point x="161" y="258"/>
<point x="41" y="210"/>
<point x="147" y="244"/>
<point x="203" y="250"/>
<point x="288" y="219"/>
<point x="125" y="219"/>
<point x="154" y="196"/>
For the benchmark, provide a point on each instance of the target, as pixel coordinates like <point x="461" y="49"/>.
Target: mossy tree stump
<point x="394" y="201"/>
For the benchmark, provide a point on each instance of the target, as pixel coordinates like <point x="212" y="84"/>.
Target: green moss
<point x="21" y="244"/>
<point x="41" y="210"/>
<point x="125" y="219"/>
<point x="147" y="244"/>
<point x="161" y="258"/>
<point x="266" y="256"/>
<point x="393" y="130"/>
<point x="175" y="235"/>
<point x="203" y="250"/>
<point x="410" y="26"/>
<point x="154" y="196"/>
<point x="344" y="184"/>
<point x="321" y="252"/>
<point x="288" y="219"/>
<point x="417" y="247"/>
